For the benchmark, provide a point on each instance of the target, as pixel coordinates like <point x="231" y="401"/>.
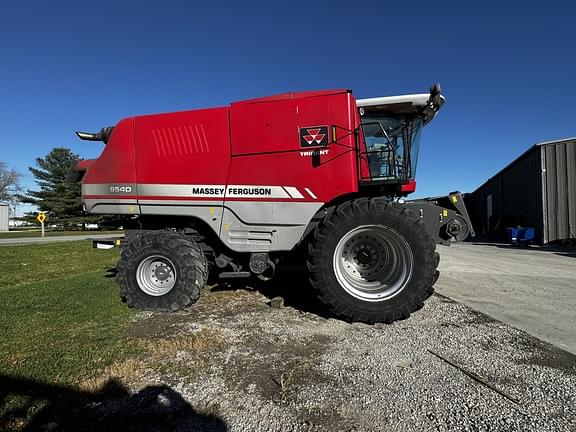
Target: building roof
<point x="560" y="141"/>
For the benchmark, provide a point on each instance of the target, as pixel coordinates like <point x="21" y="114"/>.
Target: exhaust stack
<point x="103" y="135"/>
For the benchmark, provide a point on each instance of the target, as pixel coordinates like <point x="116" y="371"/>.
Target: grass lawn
<point x="63" y="343"/>
<point x="61" y="319"/>
<point x="44" y="262"/>
<point x="38" y="233"/>
<point x="63" y="330"/>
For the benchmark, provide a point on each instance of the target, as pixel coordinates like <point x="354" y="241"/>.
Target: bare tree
<point x="9" y="183"/>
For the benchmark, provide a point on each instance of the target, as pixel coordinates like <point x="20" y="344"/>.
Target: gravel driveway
<point x="253" y="367"/>
<point x="233" y="363"/>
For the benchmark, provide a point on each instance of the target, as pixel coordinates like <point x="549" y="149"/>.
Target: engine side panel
<point x="188" y="147"/>
<point x="179" y="156"/>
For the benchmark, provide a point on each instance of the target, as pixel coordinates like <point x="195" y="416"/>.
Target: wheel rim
<point x="373" y="263"/>
<point x="156" y="275"/>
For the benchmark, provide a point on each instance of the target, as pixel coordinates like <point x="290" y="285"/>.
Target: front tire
<point x="372" y="260"/>
<point x="161" y="271"/>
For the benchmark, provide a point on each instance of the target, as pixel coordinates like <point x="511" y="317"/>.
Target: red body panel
<point x="189" y="147"/>
<point x="266" y="145"/>
<point x="255" y="142"/>
<point x="116" y="163"/>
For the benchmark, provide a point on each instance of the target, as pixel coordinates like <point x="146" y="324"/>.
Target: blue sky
<point x="507" y="69"/>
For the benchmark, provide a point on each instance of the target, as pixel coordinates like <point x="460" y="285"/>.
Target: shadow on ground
<point x="290" y="282"/>
<point x="110" y="272"/>
<point x="558" y="249"/>
<point x="27" y="405"/>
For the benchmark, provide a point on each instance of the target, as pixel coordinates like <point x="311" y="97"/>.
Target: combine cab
<point x="228" y="192"/>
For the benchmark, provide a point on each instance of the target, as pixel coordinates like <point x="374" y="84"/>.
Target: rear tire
<point x="372" y="260"/>
<point x="162" y="271"/>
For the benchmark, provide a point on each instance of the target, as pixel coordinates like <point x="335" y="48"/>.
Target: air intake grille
<point x="180" y="140"/>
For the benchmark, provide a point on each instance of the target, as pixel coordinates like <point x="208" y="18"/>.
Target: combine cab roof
<point x="415" y="100"/>
<point x="404" y="104"/>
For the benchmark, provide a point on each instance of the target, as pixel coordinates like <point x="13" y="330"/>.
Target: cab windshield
<point x="392" y="146"/>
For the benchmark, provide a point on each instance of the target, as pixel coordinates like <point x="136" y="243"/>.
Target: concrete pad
<point x="533" y="289"/>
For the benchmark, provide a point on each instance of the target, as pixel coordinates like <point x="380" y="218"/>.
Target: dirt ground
<point x="240" y="365"/>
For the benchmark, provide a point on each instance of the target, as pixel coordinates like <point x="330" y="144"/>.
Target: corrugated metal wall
<point x="4" y="212"/>
<point x="559" y="190"/>
<point x="478" y="207"/>
<point x="522" y="193"/>
<point x="538" y="189"/>
<point x="516" y="199"/>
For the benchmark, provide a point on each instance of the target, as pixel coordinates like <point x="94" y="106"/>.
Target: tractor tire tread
<point x="344" y="305"/>
<point x="186" y="255"/>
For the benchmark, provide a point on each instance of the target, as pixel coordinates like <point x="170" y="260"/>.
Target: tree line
<point x="60" y="199"/>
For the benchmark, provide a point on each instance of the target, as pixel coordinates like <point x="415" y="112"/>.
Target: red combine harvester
<point x="228" y="192"/>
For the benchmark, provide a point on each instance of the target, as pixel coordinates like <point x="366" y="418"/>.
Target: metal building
<point x="4" y="216"/>
<point x="538" y="190"/>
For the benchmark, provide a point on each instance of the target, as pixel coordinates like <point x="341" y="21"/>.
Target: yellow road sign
<point x="41" y="217"/>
